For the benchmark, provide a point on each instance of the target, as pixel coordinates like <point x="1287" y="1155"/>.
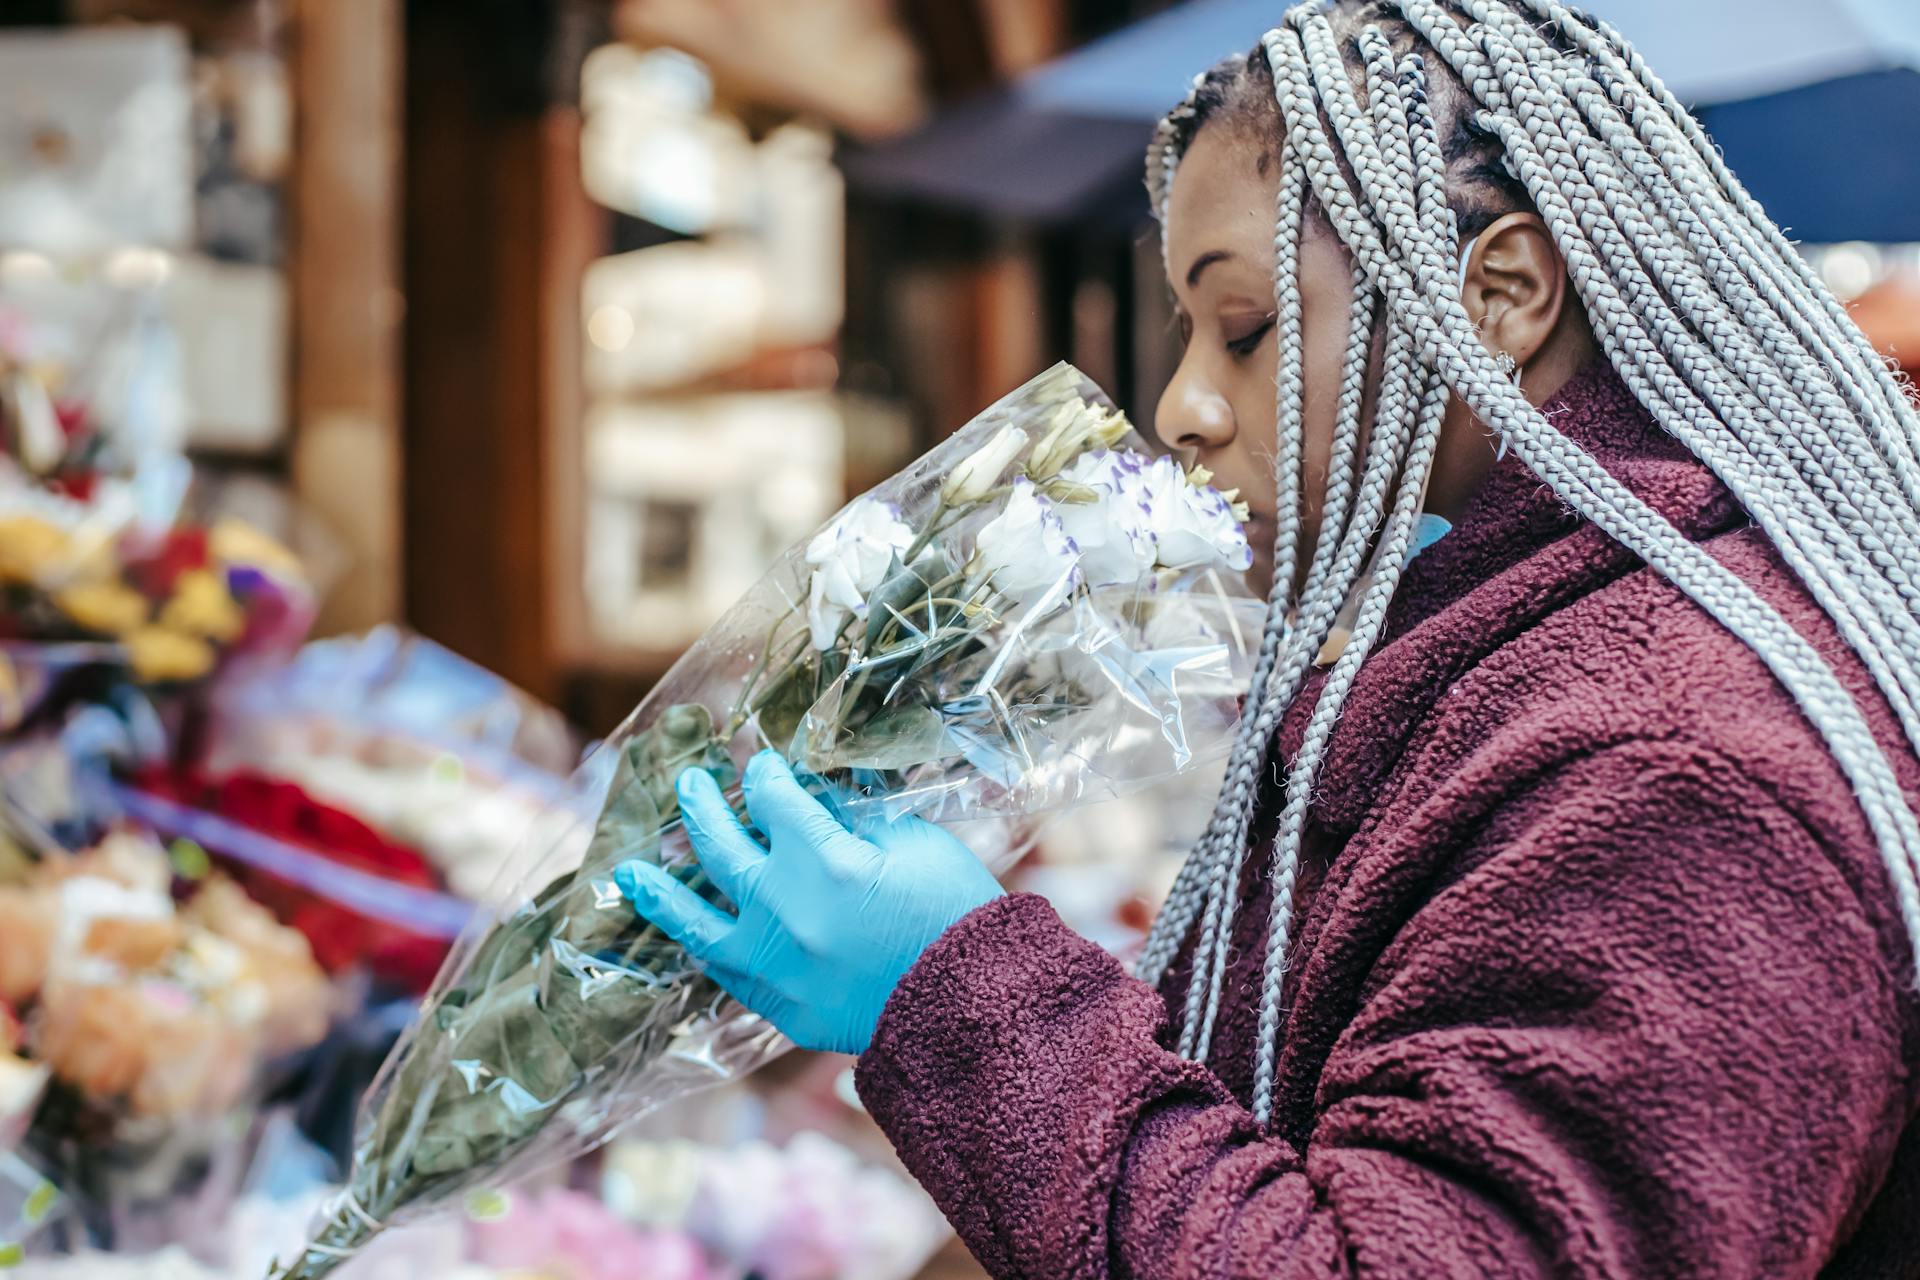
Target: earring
<point x="1509" y="369"/>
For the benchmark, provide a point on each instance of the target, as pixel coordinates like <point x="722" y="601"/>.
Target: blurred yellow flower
<point x="110" y="608"/>
<point x="236" y="542"/>
<point x="13" y="707"/>
<point x="30" y="549"/>
<point x="202" y="606"/>
<point x="160" y="656"/>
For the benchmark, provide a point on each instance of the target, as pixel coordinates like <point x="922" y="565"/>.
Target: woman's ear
<point x="1516" y="286"/>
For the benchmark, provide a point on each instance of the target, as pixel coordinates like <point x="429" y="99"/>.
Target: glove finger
<point x="680" y="913"/>
<point x="781" y="807"/>
<point x="841" y="802"/>
<point x="731" y="857"/>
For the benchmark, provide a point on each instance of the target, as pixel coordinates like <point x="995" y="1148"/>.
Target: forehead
<point x="1220" y="199"/>
<point x="1221" y="202"/>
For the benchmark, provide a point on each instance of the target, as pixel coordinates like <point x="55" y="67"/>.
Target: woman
<point x="1558" y="913"/>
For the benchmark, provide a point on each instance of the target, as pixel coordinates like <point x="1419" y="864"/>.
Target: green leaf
<point x="512" y="944"/>
<point x="190" y="861"/>
<point x="631" y="820"/>
<point x="40" y="1202"/>
<point x="505" y="1073"/>
<point x="594" y="925"/>
<point x="895" y="739"/>
<point x="682" y="738"/>
<point x="484" y="1204"/>
<point x="785" y="705"/>
<point x="594" y="1007"/>
<point x="903" y="589"/>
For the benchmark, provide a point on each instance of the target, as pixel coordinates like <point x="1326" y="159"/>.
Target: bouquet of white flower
<point x="1035" y="614"/>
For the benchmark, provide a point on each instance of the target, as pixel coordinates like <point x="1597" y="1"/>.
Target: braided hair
<point x="1405" y="126"/>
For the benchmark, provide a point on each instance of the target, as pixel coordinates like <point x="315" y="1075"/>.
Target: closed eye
<point x="1247" y="343"/>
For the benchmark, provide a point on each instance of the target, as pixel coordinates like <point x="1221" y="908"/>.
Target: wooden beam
<point x="344" y="273"/>
<point x="575" y="233"/>
<point x="498" y="232"/>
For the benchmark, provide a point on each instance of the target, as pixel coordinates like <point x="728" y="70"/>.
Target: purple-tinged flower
<point x="1026" y="549"/>
<point x="1158" y="516"/>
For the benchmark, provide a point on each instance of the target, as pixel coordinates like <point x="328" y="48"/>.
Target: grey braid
<point x="1590" y="241"/>
<point x="1189" y="891"/>
<point x="1701" y="304"/>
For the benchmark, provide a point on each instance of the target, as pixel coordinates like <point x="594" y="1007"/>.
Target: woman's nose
<point x="1192" y="415"/>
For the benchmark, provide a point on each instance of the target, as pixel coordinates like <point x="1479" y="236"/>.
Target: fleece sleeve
<point x="1643" y="1026"/>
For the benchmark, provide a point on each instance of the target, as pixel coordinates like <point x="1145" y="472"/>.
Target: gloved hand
<point x="829" y="921"/>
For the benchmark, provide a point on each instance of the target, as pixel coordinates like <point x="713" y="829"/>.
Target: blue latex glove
<point x="829" y="921"/>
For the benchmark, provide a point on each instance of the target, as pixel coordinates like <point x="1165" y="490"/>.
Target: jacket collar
<point x="1517" y="554"/>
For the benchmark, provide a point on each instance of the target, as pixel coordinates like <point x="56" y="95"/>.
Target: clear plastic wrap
<point x="417" y="742"/>
<point x="1036" y="614"/>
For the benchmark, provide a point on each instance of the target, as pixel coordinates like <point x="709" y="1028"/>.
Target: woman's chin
<point x="1259" y="529"/>
<point x="1260" y="577"/>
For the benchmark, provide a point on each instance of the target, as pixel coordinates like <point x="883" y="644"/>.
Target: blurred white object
<point x="96" y="148"/>
<point x="811" y="1210"/>
<point x="691" y="501"/>
<point x="169" y="1264"/>
<point x="651" y="146"/>
<point x="232" y="321"/>
<point x="416" y="742"/>
<point x="802" y="234"/>
<point x="262" y="1230"/>
<point x="651" y="1184"/>
<point x="851" y="62"/>
<point x="663" y="317"/>
<point x="98" y="334"/>
<point x="1096" y="860"/>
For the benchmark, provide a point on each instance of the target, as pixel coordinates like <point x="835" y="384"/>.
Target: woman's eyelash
<point x="1247" y="345"/>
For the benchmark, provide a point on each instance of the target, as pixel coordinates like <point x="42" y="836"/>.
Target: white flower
<point x="1026" y="549"/>
<point x="849" y="559"/>
<point x="1194" y="525"/>
<point x="1159" y="516"/>
<point x="975" y="477"/>
<point x="1116" y="544"/>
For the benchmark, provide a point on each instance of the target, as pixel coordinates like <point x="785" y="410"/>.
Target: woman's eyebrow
<point x="1201" y="263"/>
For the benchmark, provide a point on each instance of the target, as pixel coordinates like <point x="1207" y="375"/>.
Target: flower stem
<point x="743" y="708"/>
<point x="927" y="535"/>
<point x="735" y="718"/>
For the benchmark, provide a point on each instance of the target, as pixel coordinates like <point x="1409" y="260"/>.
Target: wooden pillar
<point x="498" y="232"/>
<point x="344" y="274"/>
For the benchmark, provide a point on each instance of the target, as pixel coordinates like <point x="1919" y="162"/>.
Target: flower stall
<point x="234" y="873"/>
<point x="311" y="958"/>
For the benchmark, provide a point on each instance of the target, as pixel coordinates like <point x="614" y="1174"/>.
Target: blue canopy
<point x="1816" y="104"/>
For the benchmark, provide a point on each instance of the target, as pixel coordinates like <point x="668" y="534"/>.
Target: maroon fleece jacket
<point x="1598" y="971"/>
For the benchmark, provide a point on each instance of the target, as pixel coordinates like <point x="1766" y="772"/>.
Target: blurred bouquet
<point x="1035" y="614"/>
<point x="92" y="552"/>
<point x="143" y="996"/>
<point x="363" y="900"/>
<point x="29" y="1203"/>
<point x="810" y="1210"/>
<point x="433" y="752"/>
<point x="171" y="605"/>
<point x="560" y="1232"/>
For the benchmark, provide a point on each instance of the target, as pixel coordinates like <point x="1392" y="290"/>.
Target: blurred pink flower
<point x="571" y="1234"/>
